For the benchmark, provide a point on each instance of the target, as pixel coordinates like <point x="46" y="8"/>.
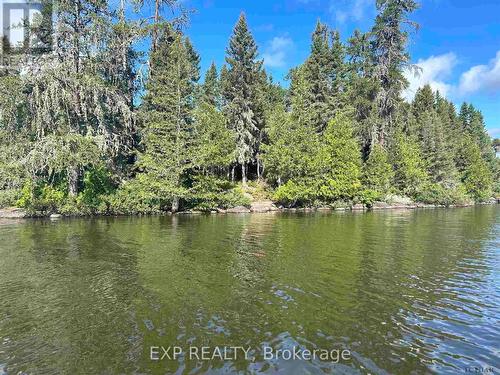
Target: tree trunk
<point x="232" y="173"/>
<point x="175" y="205"/>
<point x="155" y="25"/>
<point x="73" y="181"/>
<point x="244" y="173"/>
<point x="258" y="168"/>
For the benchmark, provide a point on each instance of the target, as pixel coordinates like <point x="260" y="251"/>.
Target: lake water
<point x="401" y="291"/>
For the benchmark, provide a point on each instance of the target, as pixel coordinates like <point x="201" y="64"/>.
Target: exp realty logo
<point x="25" y="27"/>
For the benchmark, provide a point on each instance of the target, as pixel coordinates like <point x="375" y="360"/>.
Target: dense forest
<point x="91" y="122"/>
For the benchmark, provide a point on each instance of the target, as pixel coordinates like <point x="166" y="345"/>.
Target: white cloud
<point x="495" y="132"/>
<point x="481" y="78"/>
<point x="276" y="53"/>
<point x="432" y="71"/>
<point x="355" y="12"/>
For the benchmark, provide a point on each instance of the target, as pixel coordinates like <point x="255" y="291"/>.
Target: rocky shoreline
<point x="269" y="206"/>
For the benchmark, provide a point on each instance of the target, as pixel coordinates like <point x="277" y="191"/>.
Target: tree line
<point x="95" y="124"/>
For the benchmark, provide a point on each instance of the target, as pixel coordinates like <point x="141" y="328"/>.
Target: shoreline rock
<point x="238" y="210"/>
<point x="265" y="207"/>
<point x="13" y="213"/>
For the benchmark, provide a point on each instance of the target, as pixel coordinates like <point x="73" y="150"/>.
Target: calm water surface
<point x="405" y="291"/>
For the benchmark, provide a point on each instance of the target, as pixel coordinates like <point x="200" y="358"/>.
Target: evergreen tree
<point x="167" y="113"/>
<point x="211" y="87"/>
<point x="410" y="175"/>
<point x="340" y="160"/>
<point x="377" y="172"/>
<point x="362" y="88"/>
<point x="291" y="149"/>
<point x="475" y="174"/>
<point x="80" y="113"/>
<point x="324" y="71"/>
<point x="241" y="91"/>
<point x="214" y="141"/>
<point x="389" y="39"/>
<point x="433" y="134"/>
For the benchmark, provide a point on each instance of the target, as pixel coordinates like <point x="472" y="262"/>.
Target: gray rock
<point x="380" y="205"/>
<point x="12" y="213"/>
<point x="238" y="210"/>
<point x="398" y="200"/>
<point x="55" y="216"/>
<point x="263" y="206"/>
<point x="358" y="207"/>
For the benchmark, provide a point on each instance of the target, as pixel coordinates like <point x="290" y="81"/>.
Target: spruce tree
<point x="435" y="143"/>
<point x="389" y="39"/>
<point x="211" y="88"/>
<point x="325" y="73"/>
<point x="167" y="114"/>
<point x="362" y="88"/>
<point x="241" y="91"/>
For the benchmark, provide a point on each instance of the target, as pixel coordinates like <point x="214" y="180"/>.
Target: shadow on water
<point x="403" y="291"/>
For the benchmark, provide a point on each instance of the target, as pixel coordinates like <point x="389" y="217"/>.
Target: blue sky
<point x="457" y="46"/>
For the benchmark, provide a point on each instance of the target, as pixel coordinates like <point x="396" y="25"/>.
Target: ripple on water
<point x="404" y="292"/>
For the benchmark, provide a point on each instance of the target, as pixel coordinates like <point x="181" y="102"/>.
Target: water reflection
<point x="408" y="291"/>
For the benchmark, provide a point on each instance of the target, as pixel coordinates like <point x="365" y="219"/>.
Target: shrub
<point x="39" y="197"/>
<point x="438" y="194"/>
<point x="368" y="196"/>
<point x="8" y="198"/>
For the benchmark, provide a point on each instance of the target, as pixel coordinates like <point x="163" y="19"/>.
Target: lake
<point x="415" y="291"/>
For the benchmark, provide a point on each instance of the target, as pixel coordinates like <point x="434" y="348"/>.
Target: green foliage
<point x="209" y="193"/>
<point x="70" y="114"/>
<point x="377" y="171"/>
<point x="167" y="113"/>
<point x="37" y="197"/>
<point x="433" y="193"/>
<point x="98" y="185"/>
<point x="369" y="196"/>
<point x="410" y="172"/>
<point x="475" y="173"/>
<point x="213" y="140"/>
<point x="340" y="161"/>
<point x="292" y="148"/>
<point x="291" y="194"/>
<point x="134" y="197"/>
<point x="242" y="87"/>
<point x="9" y="198"/>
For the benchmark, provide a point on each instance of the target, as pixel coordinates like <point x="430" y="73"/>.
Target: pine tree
<point x="241" y="94"/>
<point x="362" y="88"/>
<point x="214" y="141"/>
<point x="325" y="73"/>
<point x="389" y="39"/>
<point x="211" y="88"/>
<point x="435" y="143"/>
<point x="167" y="114"/>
